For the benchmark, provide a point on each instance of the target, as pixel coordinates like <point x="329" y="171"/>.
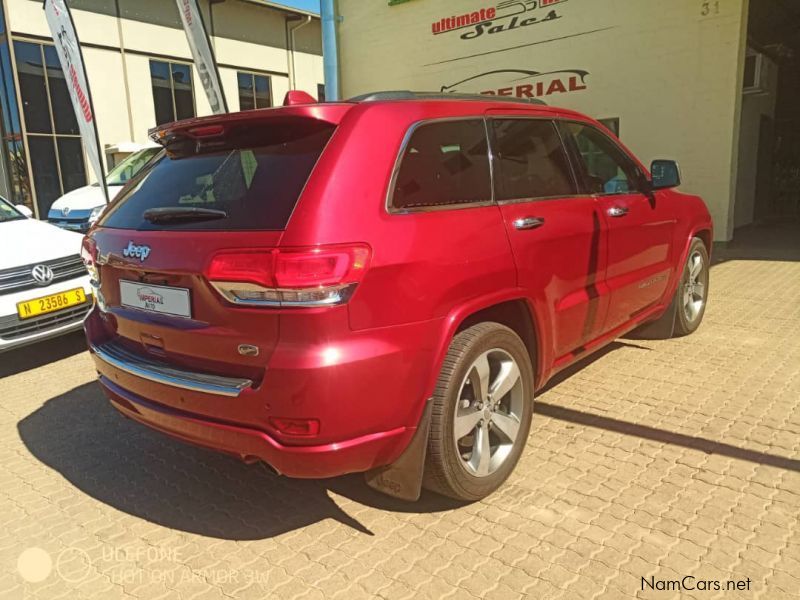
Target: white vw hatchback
<point x="44" y="286"/>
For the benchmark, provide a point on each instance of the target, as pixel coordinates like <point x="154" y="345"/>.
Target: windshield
<point x="130" y="166"/>
<point x="8" y="212"/>
<point x="249" y="179"/>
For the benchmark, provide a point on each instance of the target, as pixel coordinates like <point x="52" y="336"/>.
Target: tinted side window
<point x="606" y="168"/>
<point x="444" y="163"/>
<point x="530" y="160"/>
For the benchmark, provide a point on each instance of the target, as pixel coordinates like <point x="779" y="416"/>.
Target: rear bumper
<point x="117" y="356"/>
<point x="312" y="462"/>
<point x="366" y="389"/>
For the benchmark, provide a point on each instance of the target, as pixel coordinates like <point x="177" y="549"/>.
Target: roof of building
<point x="283" y="7"/>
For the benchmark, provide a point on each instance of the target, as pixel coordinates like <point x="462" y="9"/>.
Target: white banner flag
<point x="69" y="53"/>
<point x="203" y="54"/>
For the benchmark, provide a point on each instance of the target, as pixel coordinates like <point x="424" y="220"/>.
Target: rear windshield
<point x="253" y="174"/>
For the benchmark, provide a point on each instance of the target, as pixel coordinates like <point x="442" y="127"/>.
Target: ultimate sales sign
<point x="69" y="54"/>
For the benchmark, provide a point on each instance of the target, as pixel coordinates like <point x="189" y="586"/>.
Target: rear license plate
<point x="156" y="298"/>
<point x="51" y="303"/>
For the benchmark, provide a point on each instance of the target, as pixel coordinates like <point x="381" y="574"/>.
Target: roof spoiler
<point x="215" y="125"/>
<point x="409" y="95"/>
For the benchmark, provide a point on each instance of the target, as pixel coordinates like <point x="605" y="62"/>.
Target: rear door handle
<point x="528" y="222"/>
<point x="617" y="211"/>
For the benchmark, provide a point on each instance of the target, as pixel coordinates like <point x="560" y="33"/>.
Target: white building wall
<point x="229" y="87"/>
<point x="670" y="72"/>
<point x="143" y="113"/>
<point x="108" y="95"/>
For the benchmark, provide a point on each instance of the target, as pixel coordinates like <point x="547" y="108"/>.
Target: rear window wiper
<point x="182" y="213"/>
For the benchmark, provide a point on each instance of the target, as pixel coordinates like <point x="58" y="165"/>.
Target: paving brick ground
<point x="656" y="459"/>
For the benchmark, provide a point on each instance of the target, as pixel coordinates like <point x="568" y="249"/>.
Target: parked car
<point x="382" y="285"/>
<point x="44" y="286"/>
<point x="79" y="209"/>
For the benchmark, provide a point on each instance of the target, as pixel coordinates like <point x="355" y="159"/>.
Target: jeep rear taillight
<point x="316" y="276"/>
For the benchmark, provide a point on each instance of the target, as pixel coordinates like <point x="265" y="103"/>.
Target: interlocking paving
<point x="653" y="459"/>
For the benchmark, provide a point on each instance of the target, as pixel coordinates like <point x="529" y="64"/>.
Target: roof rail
<point x="409" y="95"/>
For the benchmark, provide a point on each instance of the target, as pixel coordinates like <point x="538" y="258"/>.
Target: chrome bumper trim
<point x="136" y="365"/>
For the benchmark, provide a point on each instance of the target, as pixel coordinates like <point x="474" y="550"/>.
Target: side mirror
<point x="24" y="210"/>
<point x="665" y="174"/>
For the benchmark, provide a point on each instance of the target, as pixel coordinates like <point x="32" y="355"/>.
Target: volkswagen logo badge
<point x="66" y="210"/>
<point x="42" y="274"/>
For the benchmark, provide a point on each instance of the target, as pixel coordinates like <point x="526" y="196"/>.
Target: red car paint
<point x="360" y="372"/>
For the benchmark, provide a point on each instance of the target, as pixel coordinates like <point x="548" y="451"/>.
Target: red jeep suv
<point x="381" y="285"/>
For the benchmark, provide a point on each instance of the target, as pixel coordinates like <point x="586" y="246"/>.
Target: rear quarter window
<point x="443" y="164"/>
<point x="255" y="174"/>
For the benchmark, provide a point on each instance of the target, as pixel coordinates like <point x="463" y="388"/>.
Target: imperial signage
<point x="505" y="16"/>
<point x="522" y="83"/>
<point x="68" y="49"/>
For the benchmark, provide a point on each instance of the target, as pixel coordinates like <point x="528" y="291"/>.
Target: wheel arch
<point x="511" y="309"/>
<point x="514" y="314"/>
<point x="706" y="236"/>
<point x="403" y="478"/>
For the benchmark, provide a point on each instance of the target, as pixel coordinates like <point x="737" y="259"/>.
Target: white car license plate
<point x="156" y="298"/>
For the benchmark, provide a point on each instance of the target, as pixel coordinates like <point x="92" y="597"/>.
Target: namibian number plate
<point x="51" y="303"/>
<point x="155" y="298"/>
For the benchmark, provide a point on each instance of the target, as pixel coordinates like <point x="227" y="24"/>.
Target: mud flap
<point x="403" y="478"/>
<point x="662" y="328"/>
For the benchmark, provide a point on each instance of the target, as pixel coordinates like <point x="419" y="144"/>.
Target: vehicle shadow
<point x="607" y="423"/>
<point x="149" y="475"/>
<point x="41" y="353"/>
<point x="587" y="360"/>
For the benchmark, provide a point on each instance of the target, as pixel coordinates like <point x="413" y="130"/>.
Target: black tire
<point x="688" y="320"/>
<point x="445" y="470"/>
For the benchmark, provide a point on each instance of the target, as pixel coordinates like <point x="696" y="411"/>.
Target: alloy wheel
<point x="488" y="412"/>
<point x="694" y="289"/>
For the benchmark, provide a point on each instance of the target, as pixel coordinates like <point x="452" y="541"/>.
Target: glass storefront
<point x="51" y="130"/>
<point x="14" y="184"/>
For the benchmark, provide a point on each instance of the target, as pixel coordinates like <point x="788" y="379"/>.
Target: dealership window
<point x="14" y="157"/>
<point x="173" y="94"/>
<point x="255" y="91"/>
<point x="52" y="136"/>
<point x="530" y="160"/>
<point x="443" y="164"/>
<point x="605" y="167"/>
